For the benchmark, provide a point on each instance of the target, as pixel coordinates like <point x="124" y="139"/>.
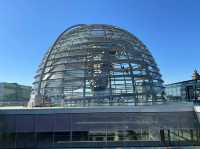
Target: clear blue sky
<point x="169" y="28"/>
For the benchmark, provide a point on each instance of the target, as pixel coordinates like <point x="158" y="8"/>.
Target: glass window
<point x="111" y="136"/>
<point x="7" y="140"/>
<point x="44" y="138"/>
<point x="80" y="136"/>
<point x="25" y="140"/>
<point x="97" y="136"/>
<point x="154" y="135"/>
<point x="61" y="137"/>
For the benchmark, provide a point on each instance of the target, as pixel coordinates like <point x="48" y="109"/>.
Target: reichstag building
<point x="98" y="86"/>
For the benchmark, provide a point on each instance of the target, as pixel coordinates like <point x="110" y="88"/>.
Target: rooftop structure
<point x="195" y="75"/>
<point x="188" y="90"/>
<point x="91" y="65"/>
<point x="14" y="94"/>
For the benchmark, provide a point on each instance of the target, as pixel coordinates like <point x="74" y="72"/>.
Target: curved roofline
<point x="106" y="25"/>
<point x="50" y="51"/>
<point x="71" y="28"/>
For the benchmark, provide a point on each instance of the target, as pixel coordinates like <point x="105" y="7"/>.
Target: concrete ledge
<point x="167" y="107"/>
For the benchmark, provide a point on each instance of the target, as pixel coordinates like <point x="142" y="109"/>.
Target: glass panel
<point x="154" y="135"/>
<point x="61" y="137"/>
<point x="44" y="138"/>
<point x="25" y="140"/>
<point x="7" y="140"/>
<point x="80" y="136"/>
<point x="97" y="136"/>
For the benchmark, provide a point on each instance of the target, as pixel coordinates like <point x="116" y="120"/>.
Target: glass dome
<point x="97" y="65"/>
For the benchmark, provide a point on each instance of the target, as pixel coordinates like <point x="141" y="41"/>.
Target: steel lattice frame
<point x="98" y="65"/>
